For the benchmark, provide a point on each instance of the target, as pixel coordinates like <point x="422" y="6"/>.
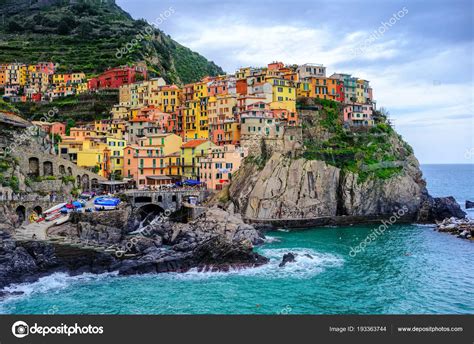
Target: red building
<point x="241" y="86"/>
<point x="340" y="91"/>
<point x="36" y="97"/>
<point x="46" y="67"/>
<point x="116" y="77"/>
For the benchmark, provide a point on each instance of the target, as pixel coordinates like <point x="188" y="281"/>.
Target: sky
<point x="417" y="55"/>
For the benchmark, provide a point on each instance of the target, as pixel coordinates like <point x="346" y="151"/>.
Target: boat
<point x="53" y="216"/>
<point x="56" y="208"/>
<point x="62" y="220"/>
<point x="106" y="203"/>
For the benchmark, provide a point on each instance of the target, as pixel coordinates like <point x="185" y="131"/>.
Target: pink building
<point x="358" y="114"/>
<point x="221" y="163"/>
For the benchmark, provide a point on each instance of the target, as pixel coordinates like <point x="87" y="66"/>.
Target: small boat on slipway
<point x="54" y="212"/>
<point x="106" y="203"/>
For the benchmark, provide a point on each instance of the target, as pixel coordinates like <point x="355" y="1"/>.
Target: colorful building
<point x="191" y="152"/>
<point x="116" y="77"/>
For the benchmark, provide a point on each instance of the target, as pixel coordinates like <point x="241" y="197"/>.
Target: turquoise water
<point x="409" y="269"/>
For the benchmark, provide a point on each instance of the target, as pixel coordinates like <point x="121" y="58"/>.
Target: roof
<point x="194" y="143"/>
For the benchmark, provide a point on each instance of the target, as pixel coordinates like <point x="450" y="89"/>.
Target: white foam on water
<point x="308" y="263"/>
<point x="270" y="239"/>
<point x="56" y="281"/>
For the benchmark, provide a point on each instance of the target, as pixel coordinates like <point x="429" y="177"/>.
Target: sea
<point x="408" y="269"/>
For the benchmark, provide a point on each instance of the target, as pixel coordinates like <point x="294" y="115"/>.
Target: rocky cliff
<point x="298" y="188"/>
<point x="342" y="172"/>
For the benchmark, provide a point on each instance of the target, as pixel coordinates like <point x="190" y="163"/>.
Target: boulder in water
<point x="469" y="204"/>
<point x="287" y="258"/>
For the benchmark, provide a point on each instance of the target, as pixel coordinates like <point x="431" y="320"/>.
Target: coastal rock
<point x="469" y="204"/>
<point x="292" y="190"/>
<point x="462" y="228"/>
<point x="287" y="258"/>
<point x="289" y="188"/>
<point x="439" y="208"/>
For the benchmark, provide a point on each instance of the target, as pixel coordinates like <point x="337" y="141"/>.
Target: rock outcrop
<point x="216" y="241"/>
<point x="290" y="189"/>
<point x="463" y="228"/>
<point x="297" y="188"/>
<point x="27" y="261"/>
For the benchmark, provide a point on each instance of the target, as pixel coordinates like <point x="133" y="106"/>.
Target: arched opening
<point x="69" y="171"/>
<point x="38" y="210"/>
<point x="21" y="213"/>
<point x="94" y="184"/>
<point x="160" y="198"/>
<point x="143" y="199"/>
<point x="62" y="170"/>
<point x="85" y="182"/>
<point x="78" y="181"/>
<point x="147" y="213"/>
<point x="48" y="168"/>
<point x="33" y="164"/>
<point x="174" y="198"/>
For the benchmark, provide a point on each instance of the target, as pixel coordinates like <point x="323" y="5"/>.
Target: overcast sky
<point x="419" y="63"/>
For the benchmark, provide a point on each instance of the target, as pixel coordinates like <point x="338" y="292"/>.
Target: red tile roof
<point x="193" y="143"/>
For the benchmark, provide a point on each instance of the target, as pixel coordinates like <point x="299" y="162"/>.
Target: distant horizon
<point x="393" y="45"/>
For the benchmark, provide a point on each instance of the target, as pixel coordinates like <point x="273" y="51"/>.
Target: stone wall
<point x="35" y="162"/>
<point x="290" y="142"/>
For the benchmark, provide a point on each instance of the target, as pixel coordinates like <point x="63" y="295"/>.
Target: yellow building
<point x="304" y="89"/>
<point x="242" y="73"/>
<point x="191" y="152"/>
<point x="165" y="143"/>
<point x="81" y="88"/>
<point x="360" y="91"/>
<point x="283" y="94"/>
<point x="16" y="74"/>
<point x="91" y="156"/>
<point x="104" y="154"/>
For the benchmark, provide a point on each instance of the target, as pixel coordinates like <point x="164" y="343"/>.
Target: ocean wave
<point x="270" y="239"/>
<point x="55" y="281"/>
<point x="308" y="263"/>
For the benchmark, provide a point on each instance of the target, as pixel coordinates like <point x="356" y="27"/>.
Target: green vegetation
<point x="39" y="179"/>
<point x="371" y="153"/>
<point x="68" y="179"/>
<point x="75" y="192"/>
<point x="261" y="160"/>
<point x="82" y="107"/>
<point x="89" y="35"/>
<point x="7" y="107"/>
<point x="14" y="184"/>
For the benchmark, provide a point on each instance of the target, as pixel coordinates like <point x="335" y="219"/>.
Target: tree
<point x="64" y="27"/>
<point x="69" y="124"/>
<point x="13" y="26"/>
